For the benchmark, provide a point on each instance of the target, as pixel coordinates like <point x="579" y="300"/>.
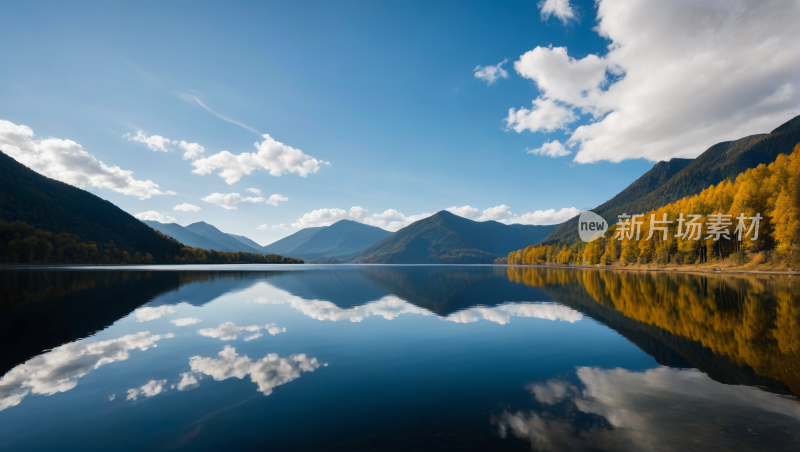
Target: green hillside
<point x="50" y="205"/>
<point x="448" y="238"/>
<point x="670" y="181"/>
<point x="339" y="240"/>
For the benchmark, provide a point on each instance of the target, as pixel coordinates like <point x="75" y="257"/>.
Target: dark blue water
<point x="378" y="358"/>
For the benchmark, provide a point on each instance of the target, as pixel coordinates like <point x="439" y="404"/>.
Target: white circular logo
<point x="591" y="226"/>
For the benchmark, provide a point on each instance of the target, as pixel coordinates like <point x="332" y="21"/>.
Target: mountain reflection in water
<point x="731" y="345"/>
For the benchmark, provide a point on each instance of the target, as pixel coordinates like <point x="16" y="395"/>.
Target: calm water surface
<point x="397" y="358"/>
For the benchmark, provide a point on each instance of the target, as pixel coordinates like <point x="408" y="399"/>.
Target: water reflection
<point x="659" y="409"/>
<point x="752" y="320"/>
<point x="269" y="372"/>
<point x="730" y="344"/>
<point x="59" y="370"/>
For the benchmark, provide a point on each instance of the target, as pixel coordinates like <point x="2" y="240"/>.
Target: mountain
<point x="448" y="238"/>
<point x="50" y="205"/>
<point x="670" y="181"/>
<point x="215" y="235"/>
<point x="341" y="239"/>
<point x="186" y="236"/>
<point x="248" y="242"/>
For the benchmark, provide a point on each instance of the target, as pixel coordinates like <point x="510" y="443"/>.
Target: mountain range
<point x="670" y="181"/>
<point x="446" y="238"/>
<point x="339" y="240"/>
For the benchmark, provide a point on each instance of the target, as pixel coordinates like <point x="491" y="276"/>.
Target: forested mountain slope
<point x="50" y="205"/>
<point x="663" y="184"/>
<point x="341" y="239"/>
<point x="448" y="238"/>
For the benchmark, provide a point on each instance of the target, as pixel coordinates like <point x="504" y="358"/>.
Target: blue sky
<point x="387" y="93"/>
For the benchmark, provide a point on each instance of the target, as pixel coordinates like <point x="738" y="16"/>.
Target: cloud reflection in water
<point x="59" y="369"/>
<point x="619" y="409"/>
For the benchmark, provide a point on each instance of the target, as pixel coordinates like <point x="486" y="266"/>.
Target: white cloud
<point x="559" y="8"/>
<point x="68" y="162"/>
<point x="272" y="156"/>
<point x="186" y="207"/>
<point x="497" y="213"/>
<point x="228" y="331"/>
<point x="191" y="151"/>
<point x="326" y="217"/>
<point x="152" y="215"/>
<point x="392" y="220"/>
<point x="151" y="388"/>
<point x="546" y="116"/>
<point x="59" y="369"/>
<point x="112" y="397"/>
<point x="230" y="200"/>
<point x="684" y="75"/>
<point x="491" y="73"/>
<point x="552" y="149"/>
<point x="464" y="211"/>
<point x="541" y="217"/>
<point x="502" y="314"/>
<point x="148" y="314"/>
<point x="154" y="142"/>
<point x="275" y="199"/>
<point x="268" y="373"/>
<point x="254" y="191"/>
<point x="276" y="226"/>
<point x="185" y="321"/>
<point x="188" y="381"/>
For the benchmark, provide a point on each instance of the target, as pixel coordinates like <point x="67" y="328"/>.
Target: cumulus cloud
<point x="151" y="388"/>
<point x="545" y="116"/>
<point x="154" y="142"/>
<point x="392" y="220"/>
<point x="275" y="199"/>
<point x="185" y="321"/>
<point x="186" y="207"/>
<point x="59" y="369"/>
<point x="152" y="215"/>
<point x="502" y="314"/>
<point x="268" y="372"/>
<point x="552" y="149"/>
<point x="191" y="151"/>
<point x="230" y="200"/>
<point x="68" y="162"/>
<point x="326" y="217"/>
<point x="491" y="73"/>
<point x="559" y="8"/>
<point x="254" y="191"/>
<point x="148" y="314"/>
<point x="657" y="406"/>
<point x="272" y="156"/>
<point x="549" y="216"/>
<point x="678" y="77"/>
<point x="503" y="214"/>
<point x="228" y="331"/>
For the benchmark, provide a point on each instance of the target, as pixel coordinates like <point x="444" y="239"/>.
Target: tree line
<point x="24" y="244"/>
<point x="767" y="190"/>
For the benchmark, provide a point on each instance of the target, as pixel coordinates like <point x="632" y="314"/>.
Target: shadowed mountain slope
<point x="50" y="205"/>
<point x="670" y="181"/>
<point x="448" y="238"/>
<point x="341" y="239"/>
<point x="248" y="242"/>
<point x="210" y="232"/>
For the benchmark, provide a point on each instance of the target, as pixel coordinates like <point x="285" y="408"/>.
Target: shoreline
<point x="710" y="269"/>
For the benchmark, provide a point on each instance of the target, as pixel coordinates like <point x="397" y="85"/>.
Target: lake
<point x="307" y="357"/>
